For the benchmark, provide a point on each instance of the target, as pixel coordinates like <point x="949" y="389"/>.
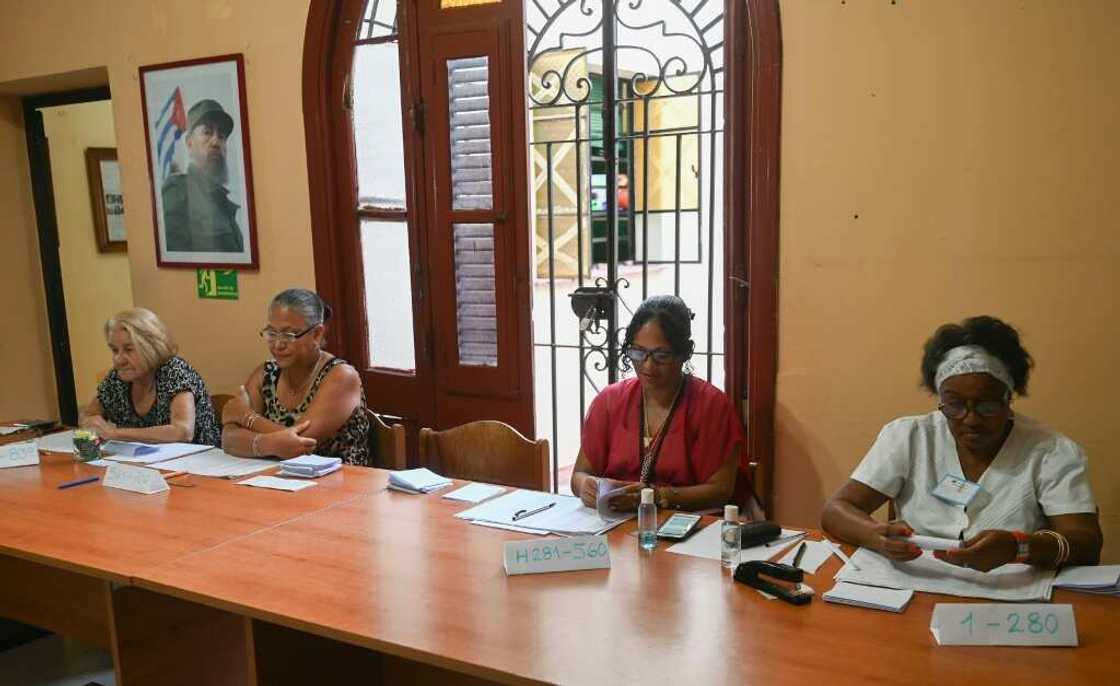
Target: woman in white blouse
<point x="1011" y="489"/>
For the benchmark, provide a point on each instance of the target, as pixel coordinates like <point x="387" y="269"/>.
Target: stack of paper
<point x="216" y="462"/>
<point x="536" y="512"/>
<point x="1102" y="580"/>
<point x="474" y="493"/>
<point x="706" y="544"/>
<point x="417" y="481"/>
<point x="871" y="597"/>
<point x="310" y="466"/>
<point x="143" y="453"/>
<point x="1012" y="582"/>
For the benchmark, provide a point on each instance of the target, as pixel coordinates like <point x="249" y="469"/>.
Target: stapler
<point x="777" y="579"/>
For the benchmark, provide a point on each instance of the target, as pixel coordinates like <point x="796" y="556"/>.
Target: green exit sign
<point x="220" y="284"/>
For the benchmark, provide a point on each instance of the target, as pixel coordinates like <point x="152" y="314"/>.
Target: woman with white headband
<point x="1010" y="489"/>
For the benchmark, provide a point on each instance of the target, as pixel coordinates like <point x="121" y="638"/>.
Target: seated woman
<point x="303" y="400"/>
<point x="151" y="395"/>
<point x="1010" y="488"/>
<point x="665" y="428"/>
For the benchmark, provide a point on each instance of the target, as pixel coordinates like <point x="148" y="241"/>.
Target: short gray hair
<point x="306" y="303"/>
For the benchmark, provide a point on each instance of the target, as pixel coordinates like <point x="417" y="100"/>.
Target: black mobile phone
<point x="679" y="527"/>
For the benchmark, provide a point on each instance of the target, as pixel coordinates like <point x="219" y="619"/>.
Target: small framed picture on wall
<point x="197" y="129"/>
<point x="106" y="199"/>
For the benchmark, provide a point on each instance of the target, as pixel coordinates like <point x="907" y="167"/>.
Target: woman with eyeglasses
<point x="1009" y="488"/>
<point x="664" y="428"/>
<point x="303" y="400"/>
<point x="151" y="395"/>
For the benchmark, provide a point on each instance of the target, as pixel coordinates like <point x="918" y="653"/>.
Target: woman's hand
<point x="589" y="491"/>
<point x="100" y="426"/>
<point x="627" y="498"/>
<point x="985" y="551"/>
<point x="287" y="443"/>
<point x="887" y="540"/>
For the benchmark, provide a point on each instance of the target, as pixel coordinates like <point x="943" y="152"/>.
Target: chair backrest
<point x="489" y="451"/>
<point x="219" y="400"/>
<point x="386" y="443"/>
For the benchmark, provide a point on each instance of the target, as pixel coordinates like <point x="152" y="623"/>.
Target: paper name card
<point x="136" y="479"/>
<point x="990" y="624"/>
<point x="19" y="454"/>
<point x="557" y="555"/>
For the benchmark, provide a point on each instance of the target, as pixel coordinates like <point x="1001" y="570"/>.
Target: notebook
<point x="1099" y="579"/>
<point x="871" y="597"/>
<point x="310" y="466"/>
<point x="417" y="481"/>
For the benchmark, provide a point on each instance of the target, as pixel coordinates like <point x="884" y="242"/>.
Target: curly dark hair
<point x="674" y="318"/>
<point x="996" y="336"/>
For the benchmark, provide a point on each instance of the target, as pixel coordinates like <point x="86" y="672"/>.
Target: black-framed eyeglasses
<point x="638" y="355"/>
<point x="958" y="409"/>
<point x="272" y="336"/>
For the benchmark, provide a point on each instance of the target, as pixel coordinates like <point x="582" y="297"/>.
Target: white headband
<point x="972" y="359"/>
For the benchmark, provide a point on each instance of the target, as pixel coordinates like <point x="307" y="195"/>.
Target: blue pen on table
<point x="522" y="514"/>
<point x="78" y="482"/>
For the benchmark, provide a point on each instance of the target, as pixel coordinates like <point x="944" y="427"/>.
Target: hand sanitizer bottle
<point x="647" y="521"/>
<point x="729" y="537"/>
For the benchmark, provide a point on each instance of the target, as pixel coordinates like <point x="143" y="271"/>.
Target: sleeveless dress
<point x="350" y="442"/>
<point x="173" y="377"/>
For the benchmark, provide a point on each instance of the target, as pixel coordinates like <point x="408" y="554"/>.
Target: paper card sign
<point x="990" y="624"/>
<point x="557" y="555"/>
<point x="135" y="479"/>
<point x="19" y="454"/>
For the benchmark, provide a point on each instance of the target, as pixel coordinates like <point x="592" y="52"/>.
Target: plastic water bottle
<point x="647" y="521"/>
<point x="729" y="537"/>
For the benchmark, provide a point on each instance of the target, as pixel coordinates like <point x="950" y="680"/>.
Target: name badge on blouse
<point x="955" y="490"/>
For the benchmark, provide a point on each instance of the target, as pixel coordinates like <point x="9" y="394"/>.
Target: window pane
<point x="379" y="20"/>
<point x="475" y="310"/>
<point x="378" y="131"/>
<point x="469" y="103"/>
<point x="386" y="261"/>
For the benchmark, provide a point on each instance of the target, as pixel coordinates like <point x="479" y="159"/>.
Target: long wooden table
<point x="349" y="583"/>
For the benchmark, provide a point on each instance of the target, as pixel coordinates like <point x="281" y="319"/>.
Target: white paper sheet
<point x="871" y="597"/>
<point x="22" y="454"/>
<point x="1092" y="579"/>
<point x="59" y="442"/>
<point x="145" y="453"/>
<point x="816" y="554"/>
<point x="565" y="514"/>
<point x="1010" y="582"/>
<point x="422" y="479"/>
<point x="277" y="483"/>
<point x="216" y="462"/>
<point x="706" y="544"/>
<point x="474" y="493"/>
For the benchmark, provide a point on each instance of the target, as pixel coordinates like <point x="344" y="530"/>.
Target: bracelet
<point x="256" y="439"/>
<point x="1063" y="546"/>
<point x="252" y="418"/>
<point x="1022" y="546"/>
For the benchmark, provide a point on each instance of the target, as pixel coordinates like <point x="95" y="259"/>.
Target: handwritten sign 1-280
<point x="557" y="555"/>
<point x="990" y="624"/>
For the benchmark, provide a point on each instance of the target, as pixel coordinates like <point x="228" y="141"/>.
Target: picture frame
<point x="106" y="200"/>
<point x="196" y="130"/>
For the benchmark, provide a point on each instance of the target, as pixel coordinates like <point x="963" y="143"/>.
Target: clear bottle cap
<point x="647" y="496"/>
<point x="731" y="513"/>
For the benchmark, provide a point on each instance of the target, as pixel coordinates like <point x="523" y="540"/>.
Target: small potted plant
<point x="87" y="445"/>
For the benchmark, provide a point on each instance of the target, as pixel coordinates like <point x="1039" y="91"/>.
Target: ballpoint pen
<point x="78" y="482"/>
<point x="522" y="514"/>
<point x="800" y="553"/>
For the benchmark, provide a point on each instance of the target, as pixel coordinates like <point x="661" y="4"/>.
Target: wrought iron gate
<point x="626" y="124"/>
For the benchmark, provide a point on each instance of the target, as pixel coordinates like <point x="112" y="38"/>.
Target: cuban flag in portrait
<point x="171" y="125"/>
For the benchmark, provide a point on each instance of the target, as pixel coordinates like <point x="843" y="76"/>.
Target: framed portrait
<point x="197" y="130"/>
<point x="106" y="199"/>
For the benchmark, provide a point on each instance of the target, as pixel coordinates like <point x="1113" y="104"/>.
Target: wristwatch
<point x="1023" y="546"/>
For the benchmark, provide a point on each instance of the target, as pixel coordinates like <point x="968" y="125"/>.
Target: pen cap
<point x="731" y="513"/>
<point x="647" y="496"/>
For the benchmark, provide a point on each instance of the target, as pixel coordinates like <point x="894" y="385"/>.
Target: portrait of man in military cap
<point x="197" y="212"/>
<point x="199" y="155"/>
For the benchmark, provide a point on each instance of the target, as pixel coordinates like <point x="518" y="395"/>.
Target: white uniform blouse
<point x="1038" y="473"/>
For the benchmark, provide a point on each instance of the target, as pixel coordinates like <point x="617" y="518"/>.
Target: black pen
<point x="78" y="482"/>
<point x="800" y="553"/>
<point x="522" y="514"/>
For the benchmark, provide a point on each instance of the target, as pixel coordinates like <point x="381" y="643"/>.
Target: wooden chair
<point x="219" y="402"/>
<point x="386" y="443"/>
<point x="489" y="451"/>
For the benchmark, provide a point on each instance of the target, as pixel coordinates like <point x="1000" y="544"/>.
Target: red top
<point x="702" y="433"/>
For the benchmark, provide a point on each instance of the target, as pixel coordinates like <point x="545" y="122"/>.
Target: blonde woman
<point x="151" y="395"/>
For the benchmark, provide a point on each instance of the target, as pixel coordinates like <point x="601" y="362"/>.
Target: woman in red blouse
<point x="664" y="428"/>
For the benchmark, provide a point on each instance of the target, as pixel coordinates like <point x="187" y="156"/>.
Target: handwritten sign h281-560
<point x="557" y="555"/>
